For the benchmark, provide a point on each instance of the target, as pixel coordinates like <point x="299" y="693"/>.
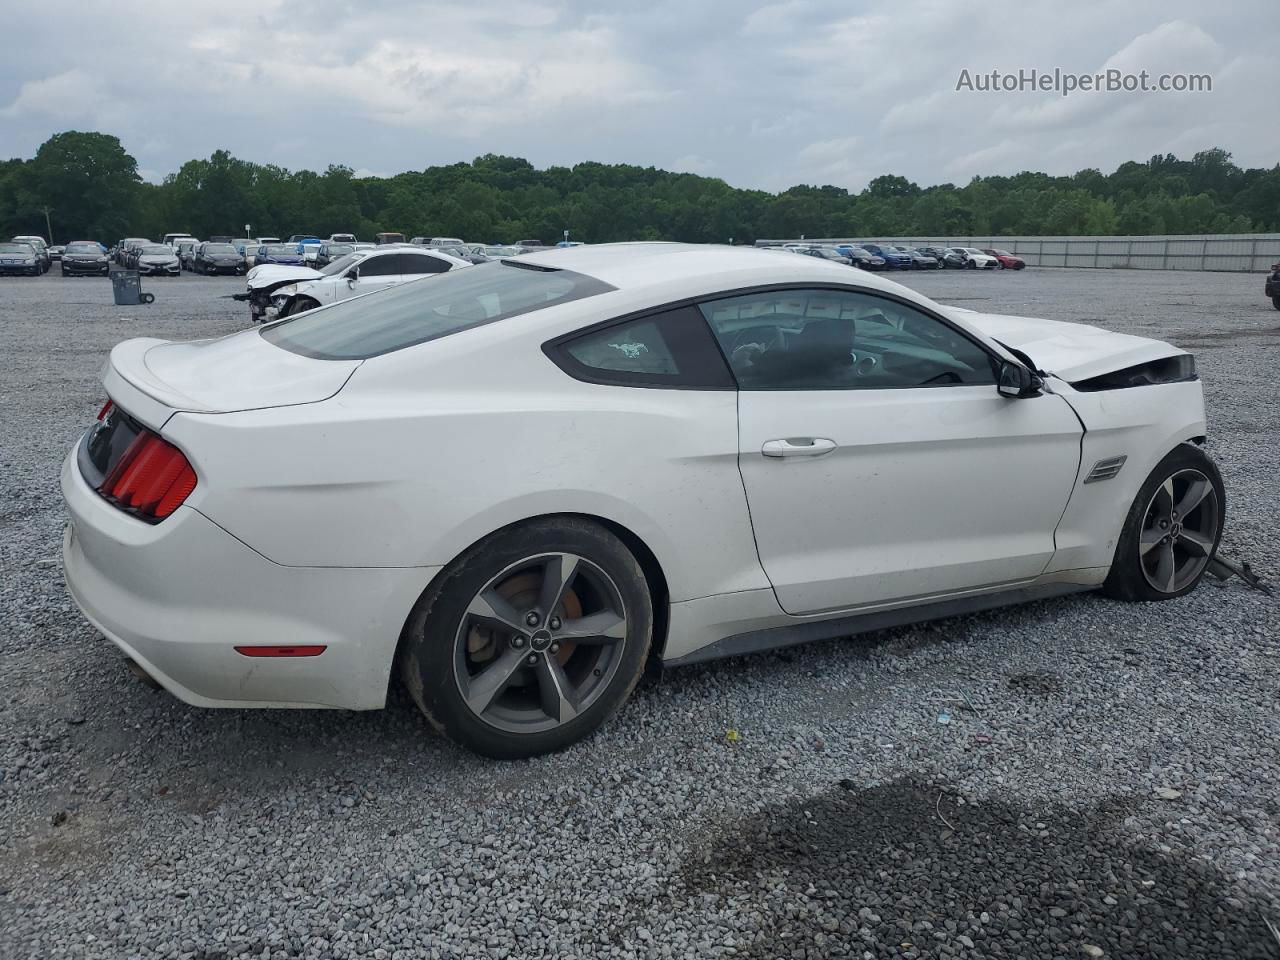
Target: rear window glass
<point x="427" y="309"/>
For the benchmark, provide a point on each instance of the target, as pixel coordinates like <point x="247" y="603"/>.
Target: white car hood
<point x="239" y="372"/>
<point x="271" y="273"/>
<point x="1069" y="351"/>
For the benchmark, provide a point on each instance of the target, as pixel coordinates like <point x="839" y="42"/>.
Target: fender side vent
<point x="1105" y="469"/>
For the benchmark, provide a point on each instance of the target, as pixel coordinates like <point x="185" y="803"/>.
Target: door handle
<point x="798" y="447"/>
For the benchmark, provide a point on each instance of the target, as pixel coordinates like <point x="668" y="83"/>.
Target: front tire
<point x="1275" y="302"/>
<point x="530" y="640"/>
<point x="1172" y="529"/>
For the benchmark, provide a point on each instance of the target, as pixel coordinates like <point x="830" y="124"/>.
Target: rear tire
<point x="530" y="640"/>
<point x="1275" y="302"/>
<point x="1172" y="529"/>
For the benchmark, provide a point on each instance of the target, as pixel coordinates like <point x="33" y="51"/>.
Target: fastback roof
<point x="632" y="266"/>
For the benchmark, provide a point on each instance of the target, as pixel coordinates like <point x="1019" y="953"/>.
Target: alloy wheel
<point x="539" y="643"/>
<point x="1179" y="531"/>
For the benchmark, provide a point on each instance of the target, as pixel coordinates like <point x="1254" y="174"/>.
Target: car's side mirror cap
<point x="1017" y="382"/>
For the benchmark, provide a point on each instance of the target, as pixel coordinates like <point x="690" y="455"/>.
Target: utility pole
<point x="46" y="210"/>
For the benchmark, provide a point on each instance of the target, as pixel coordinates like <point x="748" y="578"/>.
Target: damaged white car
<point x="512" y="485"/>
<point x="278" y="291"/>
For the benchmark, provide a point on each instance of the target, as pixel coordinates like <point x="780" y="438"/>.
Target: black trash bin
<point x="126" y="287"/>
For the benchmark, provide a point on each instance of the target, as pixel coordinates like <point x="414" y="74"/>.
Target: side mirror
<point x="352" y="276"/>
<point x="1017" y="382"/>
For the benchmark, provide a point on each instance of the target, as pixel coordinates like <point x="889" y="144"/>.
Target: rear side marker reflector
<point x="311" y="651"/>
<point x="151" y="479"/>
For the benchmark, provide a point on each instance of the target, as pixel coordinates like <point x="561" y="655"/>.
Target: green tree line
<point x="87" y="186"/>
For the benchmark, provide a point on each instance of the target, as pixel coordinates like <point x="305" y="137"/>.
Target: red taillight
<point x="301" y="651"/>
<point x="106" y="408"/>
<point x="151" y="479"/>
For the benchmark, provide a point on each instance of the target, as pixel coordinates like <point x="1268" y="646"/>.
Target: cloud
<point x="763" y="94"/>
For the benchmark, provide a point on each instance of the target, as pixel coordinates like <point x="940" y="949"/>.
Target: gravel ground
<point x="1106" y="785"/>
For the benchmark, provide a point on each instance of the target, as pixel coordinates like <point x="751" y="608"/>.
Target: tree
<point x="87" y="180"/>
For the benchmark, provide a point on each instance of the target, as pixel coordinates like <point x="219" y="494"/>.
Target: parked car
<point x="284" y="292"/>
<point x="217" y="258"/>
<point x="283" y="254"/>
<point x="169" y="238"/>
<point x="494" y="251"/>
<point x="20" y="258"/>
<point x="300" y="237"/>
<point x="342" y="238"/>
<point x="894" y="259"/>
<point x="248" y="250"/>
<point x="437" y="242"/>
<point x="1273" y="285"/>
<point x="944" y="256"/>
<point x="1006" y="260"/>
<point x="221" y="239"/>
<point x="253" y="550"/>
<point x="864" y="259"/>
<point x="156" y="260"/>
<point x="828" y="253"/>
<point x="124" y="247"/>
<point x="84" y="257"/>
<point x="186" y="251"/>
<point x="330" y="251"/>
<point x="265" y="240"/>
<point x="975" y="259"/>
<point x="56" y="251"/>
<point x="41" y="248"/>
<point x="384" y="238"/>
<point x="310" y="249"/>
<point x="132" y="252"/>
<point x="919" y="259"/>
<point x="530" y="245"/>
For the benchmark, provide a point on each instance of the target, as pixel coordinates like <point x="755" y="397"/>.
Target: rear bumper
<point x="179" y="596"/>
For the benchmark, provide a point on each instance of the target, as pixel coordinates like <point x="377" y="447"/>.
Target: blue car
<point x="894" y="259"/>
<point x="282" y="254"/>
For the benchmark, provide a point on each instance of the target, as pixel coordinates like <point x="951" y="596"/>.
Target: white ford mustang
<point x="510" y="484"/>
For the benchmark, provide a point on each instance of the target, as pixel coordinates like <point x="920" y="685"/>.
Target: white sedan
<point x="278" y="291"/>
<point x="511" y="485"/>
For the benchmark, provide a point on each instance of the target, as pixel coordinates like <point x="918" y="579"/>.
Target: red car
<point x="1006" y="259"/>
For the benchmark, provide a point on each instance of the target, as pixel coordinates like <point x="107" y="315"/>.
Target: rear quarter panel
<point x="429" y="449"/>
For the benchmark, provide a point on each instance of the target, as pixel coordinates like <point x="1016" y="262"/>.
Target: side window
<point x="630" y="348"/>
<point x="673" y="348"/>
<point x="840" y="340"/>
<point x="416" y="264"/>
<point x="387" y="265"/>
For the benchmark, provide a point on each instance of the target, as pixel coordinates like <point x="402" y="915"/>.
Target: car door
<point x="880" y="464"/>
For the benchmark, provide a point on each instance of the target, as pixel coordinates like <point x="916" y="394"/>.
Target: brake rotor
<point x="521" y="590"/>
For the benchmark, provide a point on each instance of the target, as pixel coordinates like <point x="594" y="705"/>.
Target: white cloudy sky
<point x="763" y="94"/>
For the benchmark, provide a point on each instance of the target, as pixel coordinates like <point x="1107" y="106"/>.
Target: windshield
<point x="341" y="265"/>
<point x="83" y="248"/>
<point x="971" y="250"/>
<point x="219" y="248"/>
<point x="427" y="309"/>
<point x="278" y="250"/>
<point x="1002" y="253"/>
<point x="156" y="250"/>
<point x="23" y="248"/>
<point x="338" y="249"/>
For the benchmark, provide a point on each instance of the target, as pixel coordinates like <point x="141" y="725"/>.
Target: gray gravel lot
<point x="1107" y="784"/>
